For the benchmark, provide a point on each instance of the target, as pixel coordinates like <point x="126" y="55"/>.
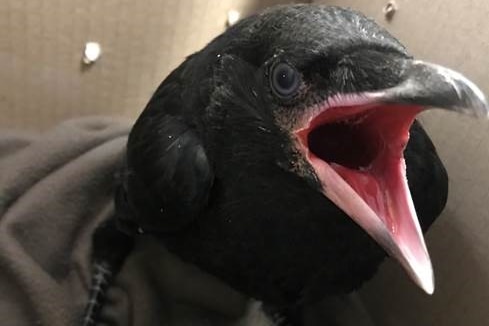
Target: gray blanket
<point x="55" y="188"/>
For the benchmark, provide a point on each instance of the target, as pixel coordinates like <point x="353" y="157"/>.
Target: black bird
<point x="276" y="157"/>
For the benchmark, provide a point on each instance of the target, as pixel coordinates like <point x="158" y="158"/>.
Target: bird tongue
<point x="375" y="193"/>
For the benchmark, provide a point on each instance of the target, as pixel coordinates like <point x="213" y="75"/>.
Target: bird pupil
<point x="286" y="78"/>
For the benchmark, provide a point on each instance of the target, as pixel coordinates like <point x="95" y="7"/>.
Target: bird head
<point x="321" y="97"/>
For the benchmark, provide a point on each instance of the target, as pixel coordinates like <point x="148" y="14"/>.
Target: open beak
<point x="355" y="144"/>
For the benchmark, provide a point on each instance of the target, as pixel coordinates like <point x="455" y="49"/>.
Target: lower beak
<point x="427" y="85"/>
<point x="378" y="197"/>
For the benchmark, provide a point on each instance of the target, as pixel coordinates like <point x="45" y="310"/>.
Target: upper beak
<point x="431" y="85"/>
<point x="384" y="208"/>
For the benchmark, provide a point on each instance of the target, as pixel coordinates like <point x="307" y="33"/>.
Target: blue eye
<point x="285" y="80"/>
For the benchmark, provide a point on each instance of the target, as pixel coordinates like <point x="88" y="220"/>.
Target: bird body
<point x="231" y="163"/>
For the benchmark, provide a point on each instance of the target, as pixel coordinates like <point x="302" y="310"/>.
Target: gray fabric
<point x="55" y="188"/>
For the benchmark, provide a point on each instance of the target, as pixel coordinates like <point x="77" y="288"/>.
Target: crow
<point x="285" y="158"/>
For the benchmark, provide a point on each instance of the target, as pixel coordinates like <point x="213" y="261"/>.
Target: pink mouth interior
<point x="364" y="144"/>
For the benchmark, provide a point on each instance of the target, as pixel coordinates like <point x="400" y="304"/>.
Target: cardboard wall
<point x="42" y="80"/>
<point x="454" y="34"/>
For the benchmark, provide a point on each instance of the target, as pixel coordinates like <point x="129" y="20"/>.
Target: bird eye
<point x="285" y="80"/>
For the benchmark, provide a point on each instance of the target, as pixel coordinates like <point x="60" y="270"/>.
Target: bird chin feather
<point x="355" y="147"/>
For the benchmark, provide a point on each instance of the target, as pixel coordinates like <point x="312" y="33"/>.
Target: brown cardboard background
<point x="41" y="44"/>
<point x="41" y="83"/>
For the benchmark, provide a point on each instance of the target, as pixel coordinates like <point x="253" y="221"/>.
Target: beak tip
<point x="473" y="99"/>
<point x="429" y="287"/>
<point x="478" y="106"/>
<point x="420" y="269"/>
<point x="425" y="279"/>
